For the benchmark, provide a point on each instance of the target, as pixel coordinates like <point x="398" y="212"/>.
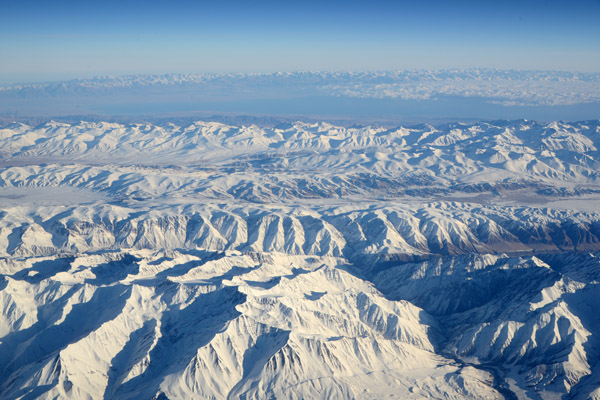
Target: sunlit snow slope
<point x="209" y="261"/>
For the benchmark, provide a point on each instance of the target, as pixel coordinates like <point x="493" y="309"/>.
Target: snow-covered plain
<point x="302" y="261"/>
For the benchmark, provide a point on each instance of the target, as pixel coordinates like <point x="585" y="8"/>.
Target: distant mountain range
<point x="398" y="95"/>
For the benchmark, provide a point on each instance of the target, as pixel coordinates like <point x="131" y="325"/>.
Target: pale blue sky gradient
<point x="76" y="39"/>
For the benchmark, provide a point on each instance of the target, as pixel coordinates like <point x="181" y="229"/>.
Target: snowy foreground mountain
<point x="302" y="261"/>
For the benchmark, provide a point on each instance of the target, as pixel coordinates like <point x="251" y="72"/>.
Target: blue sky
<point x="41" y="40"/>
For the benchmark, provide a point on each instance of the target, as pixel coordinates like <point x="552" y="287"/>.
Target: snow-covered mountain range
<point x="406" y="95"/>
<point x="528" y="87"/>
<point x="304" y="260"/>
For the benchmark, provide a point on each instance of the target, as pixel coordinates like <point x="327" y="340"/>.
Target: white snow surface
<point x="307" y="260"/>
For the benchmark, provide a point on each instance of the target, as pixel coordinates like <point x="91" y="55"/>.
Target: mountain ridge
<point x="304" y="260"/>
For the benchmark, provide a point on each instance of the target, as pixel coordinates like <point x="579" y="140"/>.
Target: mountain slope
<point x="305" y="260"/>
